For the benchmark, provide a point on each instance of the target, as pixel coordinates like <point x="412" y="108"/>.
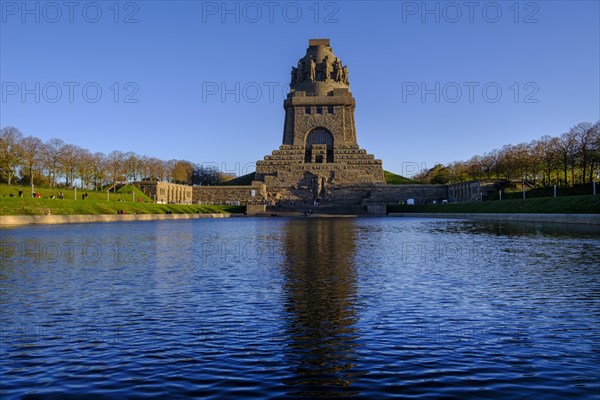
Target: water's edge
<point x="15" y="220"/>
<point x="12" y="220"/>
<point x="586" y="219"/>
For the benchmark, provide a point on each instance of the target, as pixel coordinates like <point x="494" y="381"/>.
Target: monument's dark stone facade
<point x="319" y="151"/>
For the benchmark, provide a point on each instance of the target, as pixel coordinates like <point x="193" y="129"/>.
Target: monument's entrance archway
<point x="319" y="146"/>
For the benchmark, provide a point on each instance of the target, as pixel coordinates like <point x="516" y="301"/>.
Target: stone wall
<point x="422" y="194"/>
<point x="464" y="192"/>
<point x="242" y="195"/>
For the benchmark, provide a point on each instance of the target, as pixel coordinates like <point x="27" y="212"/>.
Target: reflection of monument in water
<point x="320" y="291"/>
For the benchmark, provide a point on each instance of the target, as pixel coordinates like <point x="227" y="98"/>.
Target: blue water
<point x="276" y="307"/>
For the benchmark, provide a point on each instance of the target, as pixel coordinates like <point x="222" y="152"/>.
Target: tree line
<point x="29" y="160"/>
<point x="565" y="160"/>
<point x="568" y="159"/>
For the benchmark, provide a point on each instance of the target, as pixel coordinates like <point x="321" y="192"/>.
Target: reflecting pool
<point x="313" y="307"/>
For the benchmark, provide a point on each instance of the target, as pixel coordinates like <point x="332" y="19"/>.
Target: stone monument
<point x="319" y="153"/>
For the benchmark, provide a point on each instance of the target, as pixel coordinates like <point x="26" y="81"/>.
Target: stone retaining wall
<point x="228" y="194"/>
<point x="392" y="194"/>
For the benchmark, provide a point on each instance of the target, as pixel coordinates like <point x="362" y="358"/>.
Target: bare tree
<point x="69" y="160"/>
<point x="11" y="153"/>
<point x="51" y="154"/>
<point x="169" y="167"/>
<point x="84" y="167"/>
<point x="99" y="167"/>
<point x="584" y="136"/>
<point x="131" y="165"/>
<point x="115" y="166"/>
<point x="546" y="148"/>
<point x="159" y="169"/>
<point x="32" y="155"/>
<point x="566" y="150"/>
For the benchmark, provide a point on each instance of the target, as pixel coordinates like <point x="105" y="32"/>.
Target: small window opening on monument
<point x="319" y="110"/>
<point x="330" y="110"/>
<point x="319" y="159"/>
<point x="307" y="110"/>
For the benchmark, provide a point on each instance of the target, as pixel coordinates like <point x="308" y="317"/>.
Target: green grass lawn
<point x="95" y="203"/>
<point x="394" y="179"/>
<point x="546" y="205"/>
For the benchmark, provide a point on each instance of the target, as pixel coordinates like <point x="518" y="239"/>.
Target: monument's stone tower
<point x="320" y="151"/>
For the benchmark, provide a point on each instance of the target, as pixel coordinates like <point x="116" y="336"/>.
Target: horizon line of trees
<point x="565" y="160"/>
<point x="568" y="159"/>
<point x="54" y="163"/>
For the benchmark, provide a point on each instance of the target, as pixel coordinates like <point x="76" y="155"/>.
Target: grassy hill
<point x="127" y="189"/>
<point x="95" y="203"/>
<point x="394" y="179"/>
<point x="546" y="205"/>
<point x="244" y="180"/>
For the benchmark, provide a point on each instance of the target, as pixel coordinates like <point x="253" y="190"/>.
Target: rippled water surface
<point x="275" y="307"/>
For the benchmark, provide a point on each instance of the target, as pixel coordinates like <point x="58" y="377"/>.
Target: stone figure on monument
<point x="294" y="76"/>
<point x="345" y="75"/>
<point x="337" y="70"/>
<point x="313" y="69"/>
<point x="301" y="71"/>
<point x="317" y="187"/>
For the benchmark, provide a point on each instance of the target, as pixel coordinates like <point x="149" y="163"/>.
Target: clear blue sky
<point x="172" y="52"/>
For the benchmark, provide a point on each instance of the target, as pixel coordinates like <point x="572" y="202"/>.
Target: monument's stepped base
<point x="341" y="199"/>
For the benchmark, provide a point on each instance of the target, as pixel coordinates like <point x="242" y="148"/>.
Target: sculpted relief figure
<point x="337" y="70"/>
<point x="294" y="76"/>
<point x="300" y="71"/>
<point x="345" y="75"/>
<point x="319" y="186"/>
<point x="326" y="69"/>
<point x="313" y="69"/>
